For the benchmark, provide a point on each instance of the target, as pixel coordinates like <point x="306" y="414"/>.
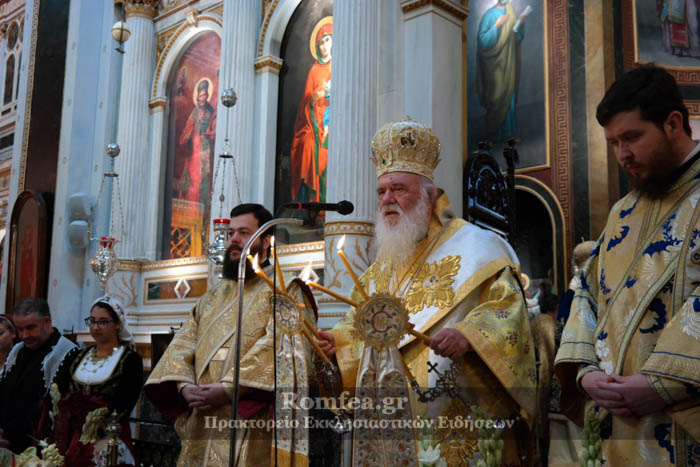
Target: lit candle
<point x="261" y="274"/>
<point x="332" y="294"/>
<point x="278" y="268"/>
<point x="358" y="284"/>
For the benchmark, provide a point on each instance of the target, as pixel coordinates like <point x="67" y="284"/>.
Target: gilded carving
<point x="141" y="8"/>
<point x="351" y="228"/>
<point x="268" y="61"/>
<point x="28" y="99"/>
<point x="266" y="23"/>
<point x="455" y="10"/>
<point x="162" y="40"/>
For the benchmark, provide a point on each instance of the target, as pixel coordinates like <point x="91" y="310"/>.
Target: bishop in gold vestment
<point x="458" y="284"/>
<point x="630" y="352"/>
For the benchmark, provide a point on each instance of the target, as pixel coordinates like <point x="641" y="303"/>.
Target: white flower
<point x="607" y="367"/>
<point x="430" y="456"/>
<point x="601" y="349"/>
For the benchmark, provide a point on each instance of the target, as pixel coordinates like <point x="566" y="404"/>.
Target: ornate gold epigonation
<point x="381" y="321"/>
<point x="288" y="314"/>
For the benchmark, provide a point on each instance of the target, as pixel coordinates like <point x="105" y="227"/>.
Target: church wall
<point x="88" y="122"/>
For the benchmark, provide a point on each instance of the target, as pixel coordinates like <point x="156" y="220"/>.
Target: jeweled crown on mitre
<point x="405" y="146"/>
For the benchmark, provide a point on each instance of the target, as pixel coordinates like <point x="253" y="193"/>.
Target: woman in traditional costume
<point x="8" y="338"/>
<point x="104" y="379"/>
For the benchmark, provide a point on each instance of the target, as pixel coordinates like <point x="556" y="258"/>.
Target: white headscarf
<point x="124" y="334"/>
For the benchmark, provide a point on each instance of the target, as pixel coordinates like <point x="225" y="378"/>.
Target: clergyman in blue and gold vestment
<point x="458" y="285"/>
<point x="629" y="360"/>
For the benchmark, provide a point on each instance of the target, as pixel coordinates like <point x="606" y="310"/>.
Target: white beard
<point x="397" y="243"/>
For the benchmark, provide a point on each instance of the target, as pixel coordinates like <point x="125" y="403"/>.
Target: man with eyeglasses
<point x="32" y="365"/>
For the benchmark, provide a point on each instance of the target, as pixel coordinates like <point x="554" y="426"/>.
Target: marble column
<point x="433" y="82"/>
<point x="133" y="135"/>
<point x="267" y="71"/>
<point x="351" y="174"/>
<point x="238" y="47"/>
<point x="603" y="185"/>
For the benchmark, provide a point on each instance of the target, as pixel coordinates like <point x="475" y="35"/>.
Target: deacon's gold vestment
<point x="637" y="310"/>
<point x="202" y="352"/>
<point x="461" y="277"/>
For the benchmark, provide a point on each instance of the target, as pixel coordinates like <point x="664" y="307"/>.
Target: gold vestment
<point x="202" y="352"/>
<point x="461" y="277"/>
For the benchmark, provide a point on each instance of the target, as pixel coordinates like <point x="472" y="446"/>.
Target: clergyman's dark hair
<point x="32" y="305"/>
<point x="650" y="89"/>
<point x="257" y="210"/>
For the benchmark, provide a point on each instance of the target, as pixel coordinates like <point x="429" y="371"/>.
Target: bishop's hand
<point x="449" y="343"/>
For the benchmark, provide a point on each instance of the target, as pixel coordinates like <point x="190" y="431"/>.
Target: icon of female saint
<point x="309" y="155"/>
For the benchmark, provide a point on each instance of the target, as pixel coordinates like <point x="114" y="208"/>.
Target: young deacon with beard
<point x="193" y="381"/>
<point x="458" y="284"/>
<point x="630" y="351"/>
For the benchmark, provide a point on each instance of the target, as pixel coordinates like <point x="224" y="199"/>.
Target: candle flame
<point x="256" y="268"/>
<point x="341" y="243"/>
<point x="306" y="273"/>
<point x="272" y="241"/>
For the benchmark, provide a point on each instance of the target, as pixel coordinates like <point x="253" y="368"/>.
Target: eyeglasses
<point x="98" y="323"/>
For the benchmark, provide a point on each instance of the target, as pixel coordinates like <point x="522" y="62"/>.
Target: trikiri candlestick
<point x="358" y="305"/>
<point x="307" y="329"/>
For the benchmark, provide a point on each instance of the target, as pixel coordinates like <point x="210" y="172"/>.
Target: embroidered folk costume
<point x="460" y="276"/>
<point x="93" y="389"/>
<point x="202" y="352"/>
<point x="637" y="310"/>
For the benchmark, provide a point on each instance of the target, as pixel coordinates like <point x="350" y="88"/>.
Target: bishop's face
<point x="398" y="193"/>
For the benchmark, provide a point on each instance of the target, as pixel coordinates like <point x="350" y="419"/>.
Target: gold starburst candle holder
<point x="288" y="312"/>
<point x="381" y="320"/>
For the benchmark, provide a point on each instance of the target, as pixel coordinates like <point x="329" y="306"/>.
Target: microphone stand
<point x="239" y="319"/>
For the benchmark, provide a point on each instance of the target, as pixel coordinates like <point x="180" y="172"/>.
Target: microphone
<point x="342" y="207"/>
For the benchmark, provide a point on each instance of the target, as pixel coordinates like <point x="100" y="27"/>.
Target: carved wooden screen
<point x="489" y="200"/>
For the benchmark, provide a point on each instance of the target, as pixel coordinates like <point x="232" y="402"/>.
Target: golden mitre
<point x="405" y="146"/>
